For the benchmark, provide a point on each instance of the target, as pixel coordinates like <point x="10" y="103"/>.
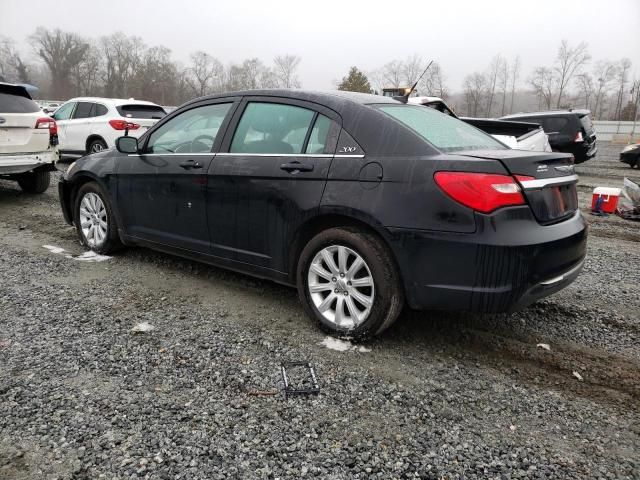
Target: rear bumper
<point x="21" y="163"/>
<point x="508" y="263"/>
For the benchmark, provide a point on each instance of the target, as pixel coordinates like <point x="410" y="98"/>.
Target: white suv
<point x="90" y="124"/>
<point x="28" y="140"/>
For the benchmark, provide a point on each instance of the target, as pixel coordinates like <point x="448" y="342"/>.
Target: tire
<point x="94" y="219"/>
<point x="357" y="320"/>
<point x="35" y="182"/>
<point x="96" y="146"/>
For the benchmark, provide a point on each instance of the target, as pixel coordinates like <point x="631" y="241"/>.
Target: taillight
<point x="483" y="192"/>
<point x="47" y="122"/>
<point x="123" y="125"/>
<point x="578" y="137"/>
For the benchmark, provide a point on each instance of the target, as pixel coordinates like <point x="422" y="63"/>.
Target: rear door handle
<point x="293" y="167"/>
<point x="190" y="164"/>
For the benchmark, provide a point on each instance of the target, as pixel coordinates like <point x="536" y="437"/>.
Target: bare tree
<point x="411" y="69"/>
<point x="475" y="86"/>
<point x="204" y="73"/>
<point x="492" y="78"/>
<point x="61" y="52"/>
<point x="569" y="62"/>
<point x="542" y="80"/>
<point x="622" y="78"/>
<point x="122" y="55"/>
<point x="285" y="71"/>
<point x="392" y="73"/>
<point x="433" y="82"/>
<point x="515" y="74"/>
<point x="604" y="72"/>
<point x="503" y="82"/>
<point x="586" y="88"/>
<point x="86" y="74"/>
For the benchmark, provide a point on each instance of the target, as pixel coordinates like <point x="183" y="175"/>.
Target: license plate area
<point x="553" y="203"/>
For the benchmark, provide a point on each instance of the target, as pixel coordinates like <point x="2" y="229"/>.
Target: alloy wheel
<point x="93" y="219"/>
<point x="97" y="147"/>
<point x="341" y="286"/>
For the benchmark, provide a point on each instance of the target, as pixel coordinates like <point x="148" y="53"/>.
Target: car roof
<point x="112" y="101"/>
<point x="330" y="98"/>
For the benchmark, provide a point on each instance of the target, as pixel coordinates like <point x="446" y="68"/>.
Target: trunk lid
<point x="551" y="189"/>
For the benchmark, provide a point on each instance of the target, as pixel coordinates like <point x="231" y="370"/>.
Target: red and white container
<point x="605" y="199"/>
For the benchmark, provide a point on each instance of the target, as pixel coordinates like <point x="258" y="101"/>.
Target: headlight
<point x="630" y="147"/>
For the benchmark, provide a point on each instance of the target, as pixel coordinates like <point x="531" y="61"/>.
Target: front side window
<point x="193" y="131"/>
<point x="272" y="128"/>
<point x="446" y="133"/>
<point x="65" y="111"/>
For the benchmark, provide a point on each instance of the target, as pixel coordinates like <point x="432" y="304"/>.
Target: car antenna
<point x="405" y="98"/>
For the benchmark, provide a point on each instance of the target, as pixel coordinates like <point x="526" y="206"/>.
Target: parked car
<point x="631" y="155"/>
<point x="91" y="124"/>
<point x="28" y="140"/>
<point x="359" y="201"/>
<point x="569" y="131"/>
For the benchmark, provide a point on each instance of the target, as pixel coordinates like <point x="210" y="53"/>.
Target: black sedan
<point x="631" y="155"/>
<point x="361" y="202"/>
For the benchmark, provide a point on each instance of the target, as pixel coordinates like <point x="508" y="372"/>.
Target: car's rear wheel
<point x="94" y="220"/>
<point x="35" y="182"/>
<point x="349" y="283"/>
<point x="96" y="146"/>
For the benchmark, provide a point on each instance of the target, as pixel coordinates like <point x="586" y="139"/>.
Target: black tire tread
<point x="35" y="182"/>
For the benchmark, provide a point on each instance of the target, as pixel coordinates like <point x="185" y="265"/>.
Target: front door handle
<point x="296" y="166"/>
<point x="190" y="164"/>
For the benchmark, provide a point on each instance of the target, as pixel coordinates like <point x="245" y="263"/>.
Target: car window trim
<point x="234" y="101"/>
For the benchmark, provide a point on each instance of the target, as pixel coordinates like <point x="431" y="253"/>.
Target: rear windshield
<point x="446" y="133"/>
<point x="10" y="103"/>
<point x="141" y="111"/>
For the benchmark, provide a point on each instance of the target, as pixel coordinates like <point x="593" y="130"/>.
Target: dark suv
<point x="570" y="131"/>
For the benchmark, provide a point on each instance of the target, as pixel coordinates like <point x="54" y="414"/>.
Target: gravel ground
<point x="438" y="396"/>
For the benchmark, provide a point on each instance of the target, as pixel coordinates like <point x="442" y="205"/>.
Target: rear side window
<point x="554" y="124"/>
<point x="141" y="111"/>
<point x="10" y="103"/>
<point x="98" y="110"/>
<point x="446" y="133"/>
<point x="83" y="110"/>
<point x="193" y="131"/>
<point x="272" y="128"/>
<point x="319" y="133"/>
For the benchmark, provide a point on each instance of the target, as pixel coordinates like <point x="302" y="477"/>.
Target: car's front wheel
<point x="94" y="220"/>
<point x="348" y="283"/>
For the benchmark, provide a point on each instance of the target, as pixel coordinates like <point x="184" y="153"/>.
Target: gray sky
<point x="331" y="35"/>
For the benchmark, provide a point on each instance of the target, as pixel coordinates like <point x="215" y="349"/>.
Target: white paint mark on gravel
<point x="142" y="327"/>
<point x="577" y="375"/>
<point x="544" y="346"/>
<point x="88" y="256"/>
<point x="54" y="249"/>
<point x="342" y="345"/>
<point x="91" y="256"/>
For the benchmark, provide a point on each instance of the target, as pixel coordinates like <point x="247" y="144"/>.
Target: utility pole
<point x="635" y="96"/>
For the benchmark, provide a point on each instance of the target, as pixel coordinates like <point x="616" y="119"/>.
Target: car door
<point x="77" y="127"/>
<point x="268" y="178"/>
<point x="162" y="190"/>
<point x="62" y="118"/>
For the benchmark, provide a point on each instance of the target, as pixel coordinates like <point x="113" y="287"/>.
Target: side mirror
<point x="127" y="144"/>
